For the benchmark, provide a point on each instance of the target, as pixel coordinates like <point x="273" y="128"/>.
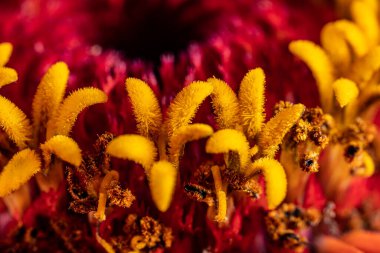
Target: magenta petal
<point x="314" y="196"/>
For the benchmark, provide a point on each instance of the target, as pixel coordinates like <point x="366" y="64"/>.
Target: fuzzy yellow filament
<point x="110" y="176"/>
<point x="49" y="96"/>
<point x="251" y="98"/>
<point x="276" y="128"/>
<point x="71" y="106"/>
<point x="145" y="105"/>
<point x="184" y="106"/>
<point x="14" y="123"/>
<point x="225" y="104"/>
<point x="18" y="171"/>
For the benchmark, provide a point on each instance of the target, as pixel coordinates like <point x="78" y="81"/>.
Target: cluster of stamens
<point x="285" y="224"/>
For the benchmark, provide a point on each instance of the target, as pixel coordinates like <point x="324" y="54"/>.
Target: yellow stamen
<point x="137" y="243"/>
<point x="14" y="123"/>
<point x="220" y="194"/>
<point x="5" y="53"/>
<point x="368" y="100"/>
<point x="18" y="171"/>
<point x="366" y="18"/>
<point x="364" y="69"/>
<point x="276" y="128"/>
<point x="336" y="47"/>
<point x="225" y="104"/>
<point x="345" y="91"/>
<point x="321" y="67"/>
<point x="253" y="151"/>
<point x="49" y="95"/>
<point x="186" y="134"/>
<point x="111" y="176"/>
<point x="275" y="179"/>
<point x="339" y="38"/>
<point x="226" y="140"/>
<point x="135" y="148"/>
<point x="145" y="105"/>
<point x="107" y="247"/>
<point x="162" y="182"/>
<point x="368" y="164"/>
<point x="251" y="98"/>
<point x="71" y="107"/>
<point x="184" y="106"/>
<point x="64" y="147"/>
<point x="354" y="36"/>
<point x="7" y="76"/>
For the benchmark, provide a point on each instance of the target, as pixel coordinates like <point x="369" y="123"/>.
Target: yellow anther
<point x="186" y="134"/>
<point x="135" y="148"/>
<point x="275" y="179"/>
<point x="162" y="181"/>
<point x="226" y="140"/>
<point x="64" y="148"/>
<point x="345" y="91"/>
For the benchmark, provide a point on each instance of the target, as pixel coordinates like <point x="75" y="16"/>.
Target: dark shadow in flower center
<point x="148" y="29"/>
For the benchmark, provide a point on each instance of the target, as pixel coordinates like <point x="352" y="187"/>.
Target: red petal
<point x="314" y="196"/>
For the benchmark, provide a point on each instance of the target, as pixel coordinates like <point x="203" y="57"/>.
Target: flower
<point x="345" y="67"/>
<point x="180" y="139"/>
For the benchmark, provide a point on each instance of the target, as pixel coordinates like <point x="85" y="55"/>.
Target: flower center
<point x="149" y="29"/>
